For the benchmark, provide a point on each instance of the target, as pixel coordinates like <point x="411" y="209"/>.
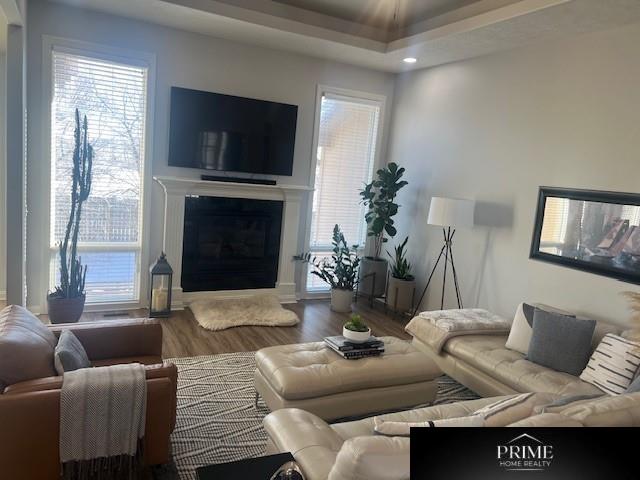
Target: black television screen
<point x="223" y="132"/>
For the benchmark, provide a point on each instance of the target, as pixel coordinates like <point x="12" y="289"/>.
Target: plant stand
<point x="394" y="307"/>
<point x="369" y="294"/>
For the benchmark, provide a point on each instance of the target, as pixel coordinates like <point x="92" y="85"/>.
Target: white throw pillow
<point x="613" y="365"/>
<point x="521" y="331"/>
<point x="512" y="409"/>
<point x="403" y="429"/>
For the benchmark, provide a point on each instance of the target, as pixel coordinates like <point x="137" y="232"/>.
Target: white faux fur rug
<point x="261" y="310"/>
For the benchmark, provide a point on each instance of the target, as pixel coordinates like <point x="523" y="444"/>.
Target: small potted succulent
<point x="355" y="330"/>
<point x="340" y="271"/>
<point x="402" y="283"/>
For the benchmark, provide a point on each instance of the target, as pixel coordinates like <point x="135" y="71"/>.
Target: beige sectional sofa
<point x="351" y="450"/>
<point x="484" y="364"/>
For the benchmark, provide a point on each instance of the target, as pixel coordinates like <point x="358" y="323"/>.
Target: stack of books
<point x="350" y="351"/>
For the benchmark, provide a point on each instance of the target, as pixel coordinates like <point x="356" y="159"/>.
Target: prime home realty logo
<point x="525" y="453"/>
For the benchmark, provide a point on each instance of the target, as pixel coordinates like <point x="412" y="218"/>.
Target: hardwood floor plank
<point x="183" y="337"/>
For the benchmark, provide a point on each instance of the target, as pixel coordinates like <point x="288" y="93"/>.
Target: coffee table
<point x="312" y="377"/>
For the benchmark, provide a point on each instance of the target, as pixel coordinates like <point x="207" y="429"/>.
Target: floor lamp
<point x="448" y="213"/>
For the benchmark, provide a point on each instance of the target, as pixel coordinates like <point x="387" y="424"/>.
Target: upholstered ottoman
<point x="314" y="378"/>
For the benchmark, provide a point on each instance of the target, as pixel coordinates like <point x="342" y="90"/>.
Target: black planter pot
<point x="65" y="310"/>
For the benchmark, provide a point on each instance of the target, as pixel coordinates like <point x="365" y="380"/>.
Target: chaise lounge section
<point x="484" y="364"/>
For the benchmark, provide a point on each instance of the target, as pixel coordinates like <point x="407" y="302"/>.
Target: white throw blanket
<point x="102" y="420"/>
<point x="436" y="327"/>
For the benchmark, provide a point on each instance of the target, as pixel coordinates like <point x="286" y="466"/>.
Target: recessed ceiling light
<point x="410" y="60"/>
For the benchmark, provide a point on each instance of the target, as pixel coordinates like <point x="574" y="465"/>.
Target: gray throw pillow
<point x="560" y="342"/>
<point x="69" y="354"/>
<point x="634" y="387"/>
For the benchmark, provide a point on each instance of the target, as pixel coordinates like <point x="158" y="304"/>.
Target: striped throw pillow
<point x="613" y="365"/>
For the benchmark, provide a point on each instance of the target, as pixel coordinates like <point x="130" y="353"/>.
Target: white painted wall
<point x="183" y="59"/>
<point x="494" y="129"/>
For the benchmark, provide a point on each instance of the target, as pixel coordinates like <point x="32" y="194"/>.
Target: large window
<point x="346" y="151"/>
<point x="113" y="97"/>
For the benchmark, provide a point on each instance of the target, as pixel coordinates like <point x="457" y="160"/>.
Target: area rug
<point x="261" y="310"/>
<point x="217" y="421"/>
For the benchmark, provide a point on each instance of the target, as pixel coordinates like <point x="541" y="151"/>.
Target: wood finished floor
<point x="183" y="337"/>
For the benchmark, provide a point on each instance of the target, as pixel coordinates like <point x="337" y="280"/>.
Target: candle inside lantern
<point x="159" y="302"/>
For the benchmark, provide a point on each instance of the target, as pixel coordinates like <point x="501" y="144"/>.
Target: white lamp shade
<point x="451" y="212"/>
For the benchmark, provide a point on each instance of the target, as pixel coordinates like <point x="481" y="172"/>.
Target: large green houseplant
<point x="66" y="302"/>
<point x="379" y="198"/>
<point x="340" y="271"/>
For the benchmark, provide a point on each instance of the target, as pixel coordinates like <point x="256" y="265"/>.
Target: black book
<point x="342" y="344"/>
<point x="367" y="352"/>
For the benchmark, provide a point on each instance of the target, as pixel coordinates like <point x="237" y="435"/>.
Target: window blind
<point x="556" y="217"/>
<point x="113" y="97"/>
<point x="348" y="129"/>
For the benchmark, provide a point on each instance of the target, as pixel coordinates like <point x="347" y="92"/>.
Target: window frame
<point x="110" y="54"/>
<point x="348" y="94"/>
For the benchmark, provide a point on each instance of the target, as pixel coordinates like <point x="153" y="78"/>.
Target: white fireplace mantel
<point x="176" y="189"/>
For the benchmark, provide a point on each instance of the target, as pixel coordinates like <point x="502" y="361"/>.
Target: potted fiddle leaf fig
<point x="355" y="330"/>
<point x="66" y="302"/>
<point x="379" y="198"/>
<point x="402" y="283"/>
<point x="340" y="271"/>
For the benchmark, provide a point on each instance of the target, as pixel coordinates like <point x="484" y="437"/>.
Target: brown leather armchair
<point x="30" y="410"/>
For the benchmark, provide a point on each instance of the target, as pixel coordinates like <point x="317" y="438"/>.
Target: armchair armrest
<point x="116" y="338"/>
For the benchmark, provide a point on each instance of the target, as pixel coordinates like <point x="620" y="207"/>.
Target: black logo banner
<point x="524" y="453"/>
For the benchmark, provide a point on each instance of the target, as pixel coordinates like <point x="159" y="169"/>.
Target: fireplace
<point x="179" y="191"/>
<point x="230" y="243"/>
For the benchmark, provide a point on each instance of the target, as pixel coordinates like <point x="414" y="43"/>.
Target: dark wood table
<point x="260" y="468"/>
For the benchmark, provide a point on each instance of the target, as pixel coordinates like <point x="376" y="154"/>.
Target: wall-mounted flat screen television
<point x="235" y="134"/>
<point x="594" y="231"/>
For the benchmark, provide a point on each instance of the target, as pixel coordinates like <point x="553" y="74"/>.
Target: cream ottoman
<point x="314" y="378"/>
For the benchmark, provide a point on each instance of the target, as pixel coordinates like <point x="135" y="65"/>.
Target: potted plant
<point x="355" y="330"/>
<point x="402" y="284"/>
<point x="379" y="196"/>
<point x="66" y="302"/>
<point x="340" y="271"/>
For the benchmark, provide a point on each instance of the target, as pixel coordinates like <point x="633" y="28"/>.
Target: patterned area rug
<point x="217" y="421"/>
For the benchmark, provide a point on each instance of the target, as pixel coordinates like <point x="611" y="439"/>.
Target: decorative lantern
<point x="160" y="288"/>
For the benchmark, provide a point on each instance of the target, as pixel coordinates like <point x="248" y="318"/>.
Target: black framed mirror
<point x="593" y="231"/>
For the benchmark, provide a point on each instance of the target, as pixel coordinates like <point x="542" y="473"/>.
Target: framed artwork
<point x="594" y="231"/>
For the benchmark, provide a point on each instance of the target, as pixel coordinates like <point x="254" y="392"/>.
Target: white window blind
<point x="113" y="97"/>
<point x="348" y="130"/>
<point x="554" y="227"/>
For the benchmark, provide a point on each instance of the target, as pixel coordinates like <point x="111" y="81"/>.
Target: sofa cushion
<point x="521" y="328"/>
<point x="560" y="342"/>
<point x="607" y="411"/>
<point x="26" y="347"/>
<point x="547" y="420"/>
<point x="489" y="354"/>
<point x="365" y="426"/>
<point x="373" y="458"/>
<point x="613" y="365"/>
<point x="69" y="355"/>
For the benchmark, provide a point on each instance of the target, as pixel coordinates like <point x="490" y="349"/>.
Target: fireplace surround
<point x="177" y="192"/>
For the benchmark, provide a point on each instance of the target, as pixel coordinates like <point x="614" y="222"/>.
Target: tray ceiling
<point x="379" y="34"/>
